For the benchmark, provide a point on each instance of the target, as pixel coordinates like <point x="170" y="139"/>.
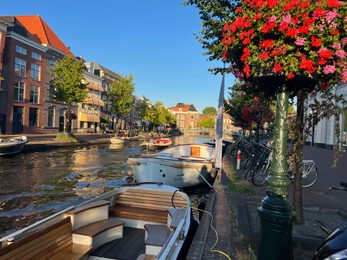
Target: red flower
<point x="334" y="32"/>
<point x="264" y="56"/>
<point x="256" y="99"/>
<point x="238" y="10"/>
<point x="267" y="44"/>
<point x="292" y="32"/>
<point x="277" y="68"/>
<point x="333" y="3"/>
<point x="246" y="41"/>
<point x="325" y="53"/>
<point x="316" y="42"/>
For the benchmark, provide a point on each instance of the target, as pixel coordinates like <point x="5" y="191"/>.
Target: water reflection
<point x="35" y="185"/>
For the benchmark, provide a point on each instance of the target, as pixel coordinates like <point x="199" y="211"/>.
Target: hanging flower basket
<point x="275" y="41"/>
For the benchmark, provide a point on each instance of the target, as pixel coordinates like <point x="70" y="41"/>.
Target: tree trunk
<point x="68" y="121"/>
<point x="297" y="159"/>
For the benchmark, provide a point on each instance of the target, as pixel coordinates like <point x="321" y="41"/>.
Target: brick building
<point x="186" y="116"/>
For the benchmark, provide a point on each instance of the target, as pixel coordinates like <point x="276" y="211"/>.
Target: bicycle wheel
<point x="309" y="178"/>
<point x="250" y="171"/>
<point x="259" y="176"/>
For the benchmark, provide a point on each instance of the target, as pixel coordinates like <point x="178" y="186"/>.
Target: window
<point x="35" y="71"/>
<point x="182" y="117"/>
<point x="34" y="94"/>
<point x="18" y="94"/>
<point x="51" y="116"/>
<point x="21" y="50"/>
<point x="36" y="56"/>
<point x="33" y="115"/>
<point x="51" y="64"/>
<point x="192" y="116"/>
<point x="20" y="67"/>
<point x="51" y="93"/>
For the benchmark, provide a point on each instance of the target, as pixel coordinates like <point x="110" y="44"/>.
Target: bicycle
<point x="309" y="173"/>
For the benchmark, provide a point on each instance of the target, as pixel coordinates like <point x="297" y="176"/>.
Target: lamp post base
<point x="276" y="219"/>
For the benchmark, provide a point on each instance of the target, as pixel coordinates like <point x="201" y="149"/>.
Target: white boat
<point x="180" y="166"/>
<point x="117" y="140"/>
<point x="149" y="221"/>
<point x="12" y="145"/>
<point x="156" y="144"/>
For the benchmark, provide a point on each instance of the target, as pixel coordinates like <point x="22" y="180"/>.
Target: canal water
<point x="36" y="185"/>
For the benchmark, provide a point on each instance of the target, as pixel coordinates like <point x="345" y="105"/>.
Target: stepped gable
<point x="39" y="28"/>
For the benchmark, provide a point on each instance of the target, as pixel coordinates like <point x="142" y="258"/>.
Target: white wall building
<point x="324" y="133"/>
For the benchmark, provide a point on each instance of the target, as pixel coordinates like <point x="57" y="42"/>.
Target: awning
<point x="95" y="87"/>
<point x="94" y="101"/>
<point x="96" y="119"/>
<point x="86" y="117"/>
<point x="89" y="118"/>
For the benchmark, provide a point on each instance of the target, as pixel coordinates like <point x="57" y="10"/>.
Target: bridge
<point x="195" y="132"/>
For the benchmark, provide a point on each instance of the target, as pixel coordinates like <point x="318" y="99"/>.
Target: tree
<point x="67" y="75"/>
<point x="120" y="96"/>
<point x="209" y="111"/>
<point x="159" y="114"/>
<point x="248" y="111"/>
<point x="207" y="122"/>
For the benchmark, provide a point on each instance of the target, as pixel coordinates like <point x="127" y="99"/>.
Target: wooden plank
<point x="45" y="243"/>
<point x="153" y="215"/>
<point x="157" y="234"/>
<point x="94" y="204"/>
<point x="96" y="228"/>
<point x="146" y="257"/>
<point x="38" y="240"/>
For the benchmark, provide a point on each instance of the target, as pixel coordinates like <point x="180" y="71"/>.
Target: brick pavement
<point x="236" y="220"/>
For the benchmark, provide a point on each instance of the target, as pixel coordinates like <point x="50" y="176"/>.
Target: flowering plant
<point x="288" y="38"/>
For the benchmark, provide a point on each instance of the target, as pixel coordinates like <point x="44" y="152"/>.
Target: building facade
<point x="186" y="116"/>
<point x="323" y="132"/>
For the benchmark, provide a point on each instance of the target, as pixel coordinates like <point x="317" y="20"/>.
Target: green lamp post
<point x="276" y="215"/>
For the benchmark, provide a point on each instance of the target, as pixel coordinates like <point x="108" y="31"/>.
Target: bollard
<point x="238" y="159"/>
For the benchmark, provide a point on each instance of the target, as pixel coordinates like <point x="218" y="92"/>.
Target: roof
<point x="39" y="28"/>
<point x="185" y="107"/>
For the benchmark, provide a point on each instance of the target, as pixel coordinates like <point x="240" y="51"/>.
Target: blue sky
<point x="153" y="40"/>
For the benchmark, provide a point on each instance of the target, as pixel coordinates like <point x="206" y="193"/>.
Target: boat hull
<point x="11" y="146"/>
<point x="175" y="166"/>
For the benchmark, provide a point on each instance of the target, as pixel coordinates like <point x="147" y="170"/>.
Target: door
<point x="17" y="125"/>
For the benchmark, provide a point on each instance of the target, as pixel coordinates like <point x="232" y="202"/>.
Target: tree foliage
<point x="120" y="95"/>
<point x="209" y="111"/>
<point x="207" y="122"/>
<point x="67" y="75"/>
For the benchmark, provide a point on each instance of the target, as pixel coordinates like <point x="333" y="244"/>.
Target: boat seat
<point x="175" y="216"/>
<point x="145" y="205"/>
<point x="53" y="242"/>
<point x="88" y="213"/>
<point x="156" y="237"/>
<point x="98" y="233"/>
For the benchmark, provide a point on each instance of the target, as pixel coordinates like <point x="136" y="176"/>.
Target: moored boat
<point x="117" y="140"/>
<point x="156" y="144"/>
<point x="12" y="145"/>
<point x="181" y="166"/>
<point x="149" y="221"/>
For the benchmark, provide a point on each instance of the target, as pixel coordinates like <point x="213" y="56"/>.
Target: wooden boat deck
<point x="130" y="246"/>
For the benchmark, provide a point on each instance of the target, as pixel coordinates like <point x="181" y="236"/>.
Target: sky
<point x="154" y="40"/>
